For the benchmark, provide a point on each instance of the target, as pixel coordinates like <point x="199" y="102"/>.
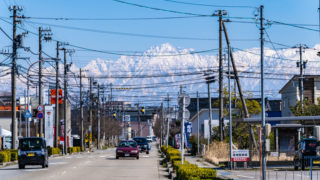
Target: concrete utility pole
<point x="210" y="115"/>
<point x="65" y="100"/>
<point x="263" y="116"/>
<point x="221" y="123"/>
<point x="46" y="37"/>
<point x="139" y="123"/>
<point x="198" y="124"/>
<point x="90" y="114"/>
<point x="40" y="78"/>
<point x="230" y="108"/>
<point x="56" y="136"/>
<point x="98" y="114"/>
<point x="81" y="113"/>
<point x="182" y="128"/>
<point x="168" y="119"/>
<point x="301" y="65"/>
<point x="13" y="78"/>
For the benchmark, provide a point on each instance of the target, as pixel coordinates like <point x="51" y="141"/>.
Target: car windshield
<point x="140" y="140"/>
<point x="127" y="144"/>
<point x="30" y="144"/>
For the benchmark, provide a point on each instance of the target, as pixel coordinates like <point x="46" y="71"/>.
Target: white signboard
<point x="49" y="123"/>
<point x="274" y="154"/>
<point x="240" y="155"/>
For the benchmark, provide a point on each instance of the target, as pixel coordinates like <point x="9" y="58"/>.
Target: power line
<point x="208" y="5"/>
<point x="123" y="33"/>
<point x="160" y="9"/>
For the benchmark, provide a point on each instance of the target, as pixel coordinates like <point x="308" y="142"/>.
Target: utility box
<point x="316" y="132"/>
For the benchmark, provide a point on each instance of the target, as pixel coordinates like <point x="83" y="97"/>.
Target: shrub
<point x="4" y="156"/>
<point x="73" y="149"/>
<point x="14" y="154"/>
<point x="53" y="151"/>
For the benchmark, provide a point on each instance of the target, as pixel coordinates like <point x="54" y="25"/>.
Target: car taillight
<point x="303" y="151"/>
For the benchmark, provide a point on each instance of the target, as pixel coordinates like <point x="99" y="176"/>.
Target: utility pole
<point x="198" y="124"/>
<point x="65" y="100"/>
<point x="139" y="124"/>
<point x="98" y="110"/>
<point x="90" y="114"/>
<point x="230" y="108"/>
<point x="40" y="77"/>
<point x="56" y="136"/>
<point x="221" y="123"/>
<point x="81" y="113"/>
<point x="182" y="128"/>
<point x="168" y="119"/>
<point x="13" y="77"/>
<point x="46" y="37"/>
<point x="301" y="65"/>
<point x="262" y="96"/>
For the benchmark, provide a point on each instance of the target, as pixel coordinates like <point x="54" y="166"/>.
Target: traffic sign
<point x="40" y="115"/>
<point x="186" y="100"/>
<point x="40" y="108"/>
<point x="27" y="114"/>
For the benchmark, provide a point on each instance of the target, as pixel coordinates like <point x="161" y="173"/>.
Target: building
<point x="290" y="93"/>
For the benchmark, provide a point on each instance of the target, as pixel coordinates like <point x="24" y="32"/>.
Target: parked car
<point x="306" y="148"/>
<point x="149" y="139"/>
<point x="32" y="151"/>
<point x="143" y="144"/>
<point x="127" y="148"/>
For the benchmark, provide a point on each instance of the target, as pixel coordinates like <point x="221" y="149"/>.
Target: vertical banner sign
<point x="53" y="96"/>
<point x="48" y="122"/>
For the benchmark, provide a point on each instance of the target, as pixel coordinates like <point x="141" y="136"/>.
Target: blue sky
<point x="289" y="11"/>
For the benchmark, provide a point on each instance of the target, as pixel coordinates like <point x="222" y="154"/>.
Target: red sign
<point x="240" y="155"/>
<point x="53" y="96"/>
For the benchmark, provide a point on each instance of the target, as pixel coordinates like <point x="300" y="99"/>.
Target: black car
<point x="306" y="148"/>
<point x="32" y="151"/>
<point x="143" y="144"/>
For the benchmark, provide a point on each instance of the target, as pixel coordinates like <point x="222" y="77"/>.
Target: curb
<point x="5" y="164"/>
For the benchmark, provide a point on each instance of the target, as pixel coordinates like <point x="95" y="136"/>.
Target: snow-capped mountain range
<point x="163" y="68"/>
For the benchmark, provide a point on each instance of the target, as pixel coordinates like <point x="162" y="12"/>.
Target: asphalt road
<point x="271" y="174"/>
<point x="91" y="166"/>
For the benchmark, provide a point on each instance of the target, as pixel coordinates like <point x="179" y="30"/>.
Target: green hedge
<point x="74" y="149"/>
<point x="14" y="154"/>
<point x="53" y="151"/>
<point x="5" y="156"/>
<point x="187" y="171"/>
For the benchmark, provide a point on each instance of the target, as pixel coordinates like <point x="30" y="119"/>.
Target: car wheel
<point x="137" y="157"/>
<point x="117" y="157"/>
<point x="21" y="166"/>
<point x="47" y="164"/>
<point x="147" y="152"/>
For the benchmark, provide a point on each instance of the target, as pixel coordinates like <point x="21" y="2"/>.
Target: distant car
<point x="127" y="148"/>
<point x="154" y="138"/>
<point x="143" y="144"/>
<point x="306" y="148"/>
<point x="149" y="139"/>
<point x="32" y="151"/>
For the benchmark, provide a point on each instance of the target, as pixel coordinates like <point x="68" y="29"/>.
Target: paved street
<point x="98" y="165"/>
<point x="271" y="174"/>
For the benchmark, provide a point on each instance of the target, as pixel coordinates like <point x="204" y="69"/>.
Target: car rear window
<point x="127" y="144"/>
<point x="140" y="140"/>
<point x="30" y="144"/>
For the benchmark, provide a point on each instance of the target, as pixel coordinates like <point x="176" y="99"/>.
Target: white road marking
<point x="57" y="163"/>
<point x="103" y="156"/>
<point x="145" y="156"/>
<point x="249" y="177"/>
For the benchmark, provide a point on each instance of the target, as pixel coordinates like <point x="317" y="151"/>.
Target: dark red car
<point x="127" y="148"/>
